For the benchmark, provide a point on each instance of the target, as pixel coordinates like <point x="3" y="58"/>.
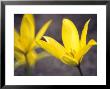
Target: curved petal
<point x="53" y="42"/>
<point x="27" y="30"/>
<point x="20" y="58"/>
<point x="43" y="30"/>
<point x="84" y="34"/>
<point x="70" y="35"/>
<point x="84" y="50"/>
<point x="17" y="41"/>
<point x="32" y="57"/>
<point x="52" y="47"/>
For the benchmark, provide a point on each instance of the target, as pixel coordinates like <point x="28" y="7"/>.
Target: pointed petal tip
<point x="65" y="20"/>
<point x="44" y="38"/>
<point x="93" y="42"/>
<point x="49" y="22"/>
<point x="43" y="29"/>
<point x="88" y="20"/>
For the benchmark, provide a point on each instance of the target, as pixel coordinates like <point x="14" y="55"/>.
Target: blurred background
<point x="50" y="66"/>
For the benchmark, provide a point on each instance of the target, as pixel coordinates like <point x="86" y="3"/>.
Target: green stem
<point x="27" y="67"/>
<point x="80" y="71"/>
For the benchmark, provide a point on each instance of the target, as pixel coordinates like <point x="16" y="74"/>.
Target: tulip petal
<point x="53" y="42"/>
<point x="27" y="30"/>
<point x="52" y="47"/>
<point x="32" y="57"/>
<point x="69" y="60"/>
<point x="43" y="30"/>
<point x="20" y="58"/>
<point x="16" y="35"/>
<point x="84" y="34"/>
<point x="70" y="35"/>
<point x="34" y="45"/>
<point x="84" y="50"/>
<point x="17" y="44"/>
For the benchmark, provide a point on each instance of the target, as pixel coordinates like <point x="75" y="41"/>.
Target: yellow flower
<point x="24" y="43"/>
<point x="74" y="48"/>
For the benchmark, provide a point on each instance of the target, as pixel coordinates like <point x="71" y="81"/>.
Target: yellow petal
<point x="43" y="30"/>
<point x="69" y="60"/>
<point x="27" y="30"/>
<point x="84" y="50"/>
<point x="84" y="34"/>
<point x="80" y="59"/>
<point x="16" y="35"/>
<point x="20" y="58"/>
<point x="52" y="47"/>
<point x="17" y="44"/>
<point x="32" y="57"/>
<point x="70" y="35"/>
<point x="34" y="45"/>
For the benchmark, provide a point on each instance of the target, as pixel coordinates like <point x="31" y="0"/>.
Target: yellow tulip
<point x="74" y="48"/>
<point x="24" y="42"/>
